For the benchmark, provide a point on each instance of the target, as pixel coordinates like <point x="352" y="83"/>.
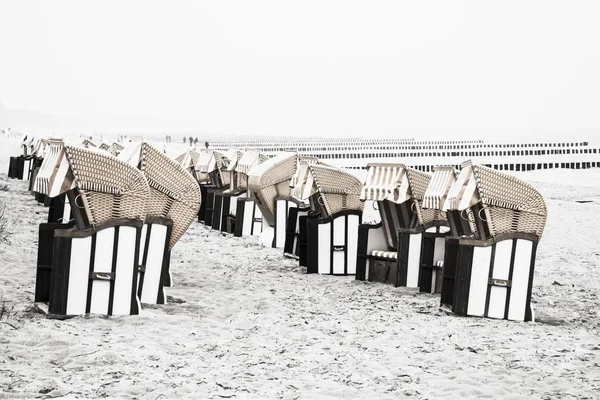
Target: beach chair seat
<point x="496" y="222"/>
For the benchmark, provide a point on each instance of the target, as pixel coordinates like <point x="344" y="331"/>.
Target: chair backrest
<point x="269" y="180"/>
<point x="334" y="190"/>
<point x="174" y="192"/>
<point x="484" y="203"/>
<point x="399" y="192"/>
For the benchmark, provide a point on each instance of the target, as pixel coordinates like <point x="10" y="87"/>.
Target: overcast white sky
<point x="371" y="68"/>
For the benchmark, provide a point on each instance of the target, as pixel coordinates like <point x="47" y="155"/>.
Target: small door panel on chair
<point x="500" y="270"/>
<point x="414" y="260"/>
<point x="338" y="248"/>
<point x="323" y="249"/>
<point x="520" y="280"/>
<point x="79" y="275"/>
<point x="153" y="263"/>
<point x="217" y="211"/>
<point x="124" y="271"/>
<point x="449" y="272"/>
<point x="103" y="260"/>
<point x="352" y="243"/>
<point x="480" y="270"/>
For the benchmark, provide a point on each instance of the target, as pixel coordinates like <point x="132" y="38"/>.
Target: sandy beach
<point x="244" y="322"/>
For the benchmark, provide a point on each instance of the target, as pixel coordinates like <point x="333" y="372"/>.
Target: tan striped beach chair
<point x="173" y="204"/>
<point x="390" y="252"/>
<point x="248" y="216"/>
<point x="496" y="223"/>
<point x="93" y="263"/>
<point x="332" y="233"/>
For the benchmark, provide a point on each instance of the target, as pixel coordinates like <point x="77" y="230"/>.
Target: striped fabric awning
<point x="302" y="182"/>
<point x="386" y="182"/>
<point x="188" y="160"/>
<point x="437" y="191"/>
<point x="54" y="176"/>
<point x="231" y="158"/>
<point x="207" y="161"/>
<point x="463" y="193"/>
<point x="250" y="158"/>
<point x="40" y="147"/>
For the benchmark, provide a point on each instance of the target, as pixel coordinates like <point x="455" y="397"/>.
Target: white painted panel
<point x="79" y="274"/>
<point x="480" y="273"/>
<point x="102" y="263"/>
<point x="282" y="216"/>
<point x="520" y="280"/>
<point x="124" y="271"/>
<point x="247" y="222"/>
<point x="353" y="223"/>
<point x="66" y="212"/>
<point x="414" y="260"/>
<point x="339" y="239"/>
<point x="266" y="236"/>
<point x="154" y="262"/>
<point x="258" y="226"/>
<point x="500" y="271"/>
<point x="218" y="213"/>
<point x="324" y="248"/>
<point x="233" y="205"/>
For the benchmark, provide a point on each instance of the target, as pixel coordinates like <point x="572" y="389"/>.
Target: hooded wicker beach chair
<point x="437" y="229"/>
<point x="38" y="157"/>
<point x="248" y="216"/>
<point x="332" y="231"/>
<point x="212" y="178"/>
<point x="390" y="252"/>
<point x="20" y="167"/>
<point x="268" y="183"/>
<point x="301" y="188"/>
<point x="173" y="205"/>
<point x="90" y="264"/>
<point x="226" y="200"/>
<point x="496" y="222"/>
<point x="188" y="161"/>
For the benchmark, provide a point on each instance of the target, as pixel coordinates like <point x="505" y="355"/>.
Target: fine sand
<point x="245" y="322"/>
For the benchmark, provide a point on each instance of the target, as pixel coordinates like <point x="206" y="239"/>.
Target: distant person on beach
<point x="184" y="139"/>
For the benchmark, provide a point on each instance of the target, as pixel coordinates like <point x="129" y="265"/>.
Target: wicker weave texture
<point x="174" y="193"/>
<point x="509" y="203"/>
<point x="269" y="180"/>
<point x="339" y="190"/>
<point x="109" y="188"/>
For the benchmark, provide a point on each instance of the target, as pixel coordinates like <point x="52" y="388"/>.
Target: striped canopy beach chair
<point x="248" y="216"/>
<point x="390" y="252"/>
<point x="212" y="178"/>
<point x="496" y="223"/>
<point x="226" y="200"/>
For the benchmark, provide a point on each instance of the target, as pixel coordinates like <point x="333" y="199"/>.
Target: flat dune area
<point x="244" y="322"/>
